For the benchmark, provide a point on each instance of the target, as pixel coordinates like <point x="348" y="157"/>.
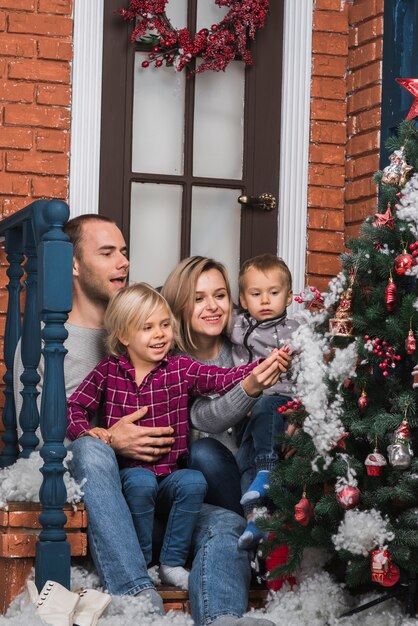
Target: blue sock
<point x="251" y="536"/>
<point x="258" y="488"/>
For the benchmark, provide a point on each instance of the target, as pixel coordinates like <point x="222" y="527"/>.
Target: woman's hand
<point x="267" y="373"/>
<point x="98" y="433"/>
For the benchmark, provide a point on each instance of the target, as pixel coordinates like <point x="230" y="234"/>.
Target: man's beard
<point x="94" y="289"/>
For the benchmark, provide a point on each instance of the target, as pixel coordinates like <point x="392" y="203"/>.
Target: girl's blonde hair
<point x="180" y="292"/>
<point x="128" y="310"/>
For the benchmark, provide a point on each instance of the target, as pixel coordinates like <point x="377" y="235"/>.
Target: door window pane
<point x="158" y="119"/>
<point x="219" y="123"/>
<point x="216" y="225"/>
<point x="155" y="231"/>
<point x="209" y="13"/>
<point x="177" y="13"/>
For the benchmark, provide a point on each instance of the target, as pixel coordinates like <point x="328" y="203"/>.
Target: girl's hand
<point x="99" y="433"/>
<point x="284" y="358"/>
<point x="267" y="373"/>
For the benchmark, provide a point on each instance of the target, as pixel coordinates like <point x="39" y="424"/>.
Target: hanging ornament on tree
<point x="363" y="402"/>
<point x="400" y="451"/>
<point x="410" y="343"/>
<point x="383" y="570"/>
<point x="415" y="377"/>
<point x="375" y="461"/>
<point x="384" y="219"/>
<point x="342" y="324"/>
<point x="348" y="496"/>
<point x="390" y="295"/>
<point x="403" y="263"/>
<point x="304" y="510"/>
<point x="398" y="171"/>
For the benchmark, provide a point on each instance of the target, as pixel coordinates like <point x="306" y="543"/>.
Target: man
<point x="220" y="574"/>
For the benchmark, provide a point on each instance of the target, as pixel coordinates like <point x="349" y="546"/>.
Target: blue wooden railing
<point x="35" y="244"/>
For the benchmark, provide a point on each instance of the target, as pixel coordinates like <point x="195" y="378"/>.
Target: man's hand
<point x="267" y="373"/>
<point x="142" y="443"/>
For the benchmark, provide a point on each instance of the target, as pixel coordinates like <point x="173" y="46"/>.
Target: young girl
<point x="140" y="372"/>
<point x="198" y="292"/>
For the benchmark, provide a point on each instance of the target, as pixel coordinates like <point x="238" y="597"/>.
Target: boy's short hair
<point x="74" y="228"/>
<point x="128" y="310"/>
<point x="264" y="263"/>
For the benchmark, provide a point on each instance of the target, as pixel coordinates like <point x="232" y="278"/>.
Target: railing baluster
<point x="55" y="291"/>
<point x="13" y="247"/>
<point x="30" y="347"/>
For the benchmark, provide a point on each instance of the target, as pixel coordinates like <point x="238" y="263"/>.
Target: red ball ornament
<point x="403" y="263"/>
<point x="410" y="343"/>
<point x="363" y="402"/>
<point x="383" y="570"/>
<point x="390" y="296"/>
<point x="304" y="511"/>
<point x="348" y="497"/>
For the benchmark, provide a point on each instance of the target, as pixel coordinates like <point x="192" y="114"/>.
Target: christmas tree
<point x="351" y="483"/>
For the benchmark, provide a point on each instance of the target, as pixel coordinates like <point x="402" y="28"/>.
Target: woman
<point x="199" y="294"/>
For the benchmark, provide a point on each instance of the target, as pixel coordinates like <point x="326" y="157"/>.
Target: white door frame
<point x="297" y="59"/>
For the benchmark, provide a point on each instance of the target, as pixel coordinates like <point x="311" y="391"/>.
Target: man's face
<point x="102" y="265"/>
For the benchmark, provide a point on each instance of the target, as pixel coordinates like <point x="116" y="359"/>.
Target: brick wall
<point x="345" y="117"/>
<point x="35" y="66"/>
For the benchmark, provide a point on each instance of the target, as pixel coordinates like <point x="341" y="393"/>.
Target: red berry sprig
<point x="291" y="405"/>
<point x="383" y="351"/>
<point x="414" y="249"/>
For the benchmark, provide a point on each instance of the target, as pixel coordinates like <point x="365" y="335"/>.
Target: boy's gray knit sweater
<point x="217" y="416"/>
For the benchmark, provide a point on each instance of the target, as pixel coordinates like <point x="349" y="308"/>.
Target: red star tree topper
<point x="411" y="85"/>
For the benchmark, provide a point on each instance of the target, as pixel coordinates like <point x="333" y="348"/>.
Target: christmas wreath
<point x="217" y="45"/>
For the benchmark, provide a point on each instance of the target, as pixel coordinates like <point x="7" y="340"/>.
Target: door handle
<point x="263" y="202"/>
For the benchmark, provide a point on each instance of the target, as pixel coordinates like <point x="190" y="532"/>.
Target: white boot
<point x="55" y="605"/>
<point x="91" y="605"/>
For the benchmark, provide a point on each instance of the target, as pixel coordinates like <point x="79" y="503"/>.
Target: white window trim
<point x="86" y="117"/>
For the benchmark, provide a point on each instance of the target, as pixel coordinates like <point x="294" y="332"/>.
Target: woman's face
<point x="211" y="308"/>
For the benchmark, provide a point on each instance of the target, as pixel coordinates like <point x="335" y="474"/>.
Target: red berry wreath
<point x="217" y="46"/>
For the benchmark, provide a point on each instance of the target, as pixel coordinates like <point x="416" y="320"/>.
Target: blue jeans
<point x="216" y="462"/>
<point x="178" y="497"/>
<point x="220" y="576"/>
<point x="259" y="448"/>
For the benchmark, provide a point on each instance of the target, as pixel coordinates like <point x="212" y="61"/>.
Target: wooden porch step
<point x="178" y="600"/>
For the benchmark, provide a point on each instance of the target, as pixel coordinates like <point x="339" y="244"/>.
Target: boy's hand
<point x="267" y="373"/>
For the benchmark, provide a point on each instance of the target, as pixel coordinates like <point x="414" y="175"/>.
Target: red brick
<point x="330" y="198"/>
<point x="352" y="230"/>
<point x="40" y="24"/>
<point x="13" y="204"/>
<point x="3" y="20"/>
<point x="360" y="188"/>
<point x="361" y="11"/>
<point x="364" y="99"/>
<point x="11" y="137"/>
<point x="17" y="45"/>
<point x="14" y="184"/>
<point x="367" y="31"/>
<point x="358" y="211"/>
<point x="364" y="121"/>
<point x="3" y="68"/>
<point x="47" y="71"/>
<point x="37" y="163"/>
<point x="18" y="5"/>
<point x="325" y="241"/>
<point x="63" y="7"/>
<point x="320" y="282"/>
<point x="55" y="49"/>
<point x="324" y="264"/>
<point x="324" y="153"/>
<point x="42" y="116"/>
<point x="330" y="21"/>
<point x="325" y="65"/>
<point x="49" y="187"/>
<point x="330" y="88"/>
<point x="53" y="140"/>
<point x="365" y="54"/>
<point x="328" y="132"/>
<point x="364" y="76"/>
<point x="356" y="168"/>
<point x="58" y="95"/>
<point x="326" y="175"/>
<point x="331" y="110"/>
<point x="321" y="219"/>
<point x="329" y="43"/>
<point x="329" y="5"/>
<point x="13" y="91"/>
<point x="361" y="144"/>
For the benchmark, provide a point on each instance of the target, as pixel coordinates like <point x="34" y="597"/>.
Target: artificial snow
<point x="362" y="531"/>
